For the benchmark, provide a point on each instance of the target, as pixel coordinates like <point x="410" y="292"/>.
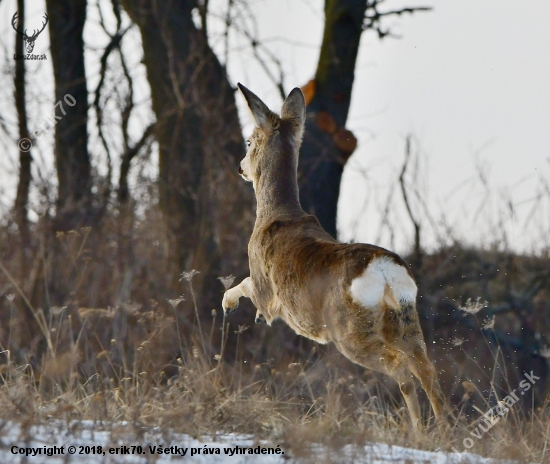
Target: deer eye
<point x="248" y="143"/>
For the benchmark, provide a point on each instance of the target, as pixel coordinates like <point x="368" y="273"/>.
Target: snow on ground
<point x="122" y="443"/>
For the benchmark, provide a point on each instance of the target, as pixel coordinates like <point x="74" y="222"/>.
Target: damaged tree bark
<point x="327" y="144"/>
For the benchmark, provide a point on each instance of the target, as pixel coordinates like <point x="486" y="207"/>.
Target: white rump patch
<point x="368" y="289"/>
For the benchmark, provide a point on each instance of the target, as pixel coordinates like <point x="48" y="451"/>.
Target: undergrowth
<point x="88" y="373"/>
<point x="118" y="349"/>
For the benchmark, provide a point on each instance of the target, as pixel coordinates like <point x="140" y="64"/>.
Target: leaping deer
<point x="360" y="297"/>
<point x="29" y="39"/>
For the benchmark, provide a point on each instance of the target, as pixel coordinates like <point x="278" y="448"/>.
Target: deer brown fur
<point x="360" y="297"/>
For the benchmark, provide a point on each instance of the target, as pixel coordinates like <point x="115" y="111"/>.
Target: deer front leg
<point x="231" y="297"/>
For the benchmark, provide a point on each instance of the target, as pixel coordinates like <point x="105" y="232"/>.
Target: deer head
<point x="29" y="39"/>
<point x="275" y="139"/>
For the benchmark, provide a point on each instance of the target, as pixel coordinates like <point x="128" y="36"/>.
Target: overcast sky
<point x="470" y="82"/>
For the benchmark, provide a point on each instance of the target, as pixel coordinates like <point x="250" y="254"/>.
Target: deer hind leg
<point x="232" y="296"/>
<point x="412" y="344"/>
<point x="397" y="367"/>
<point x="378" y="355"/>
<point x="403" y="331"/>
<point x="425" y="371"/>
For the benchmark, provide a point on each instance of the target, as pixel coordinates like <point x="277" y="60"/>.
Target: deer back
<point x="320" y="287"/>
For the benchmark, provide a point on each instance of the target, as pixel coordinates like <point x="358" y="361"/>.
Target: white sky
<point x="470" y="81"/>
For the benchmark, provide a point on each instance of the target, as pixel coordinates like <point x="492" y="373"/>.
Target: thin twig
<point x="373" y="17"/>
<point x="416" y="224"/>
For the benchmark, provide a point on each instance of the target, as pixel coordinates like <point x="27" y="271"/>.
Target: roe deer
<point x="360" y="297"/>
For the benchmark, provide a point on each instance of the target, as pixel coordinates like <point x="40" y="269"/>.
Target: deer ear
<point x="262" y="115"/>
<point x="294" y="107"/>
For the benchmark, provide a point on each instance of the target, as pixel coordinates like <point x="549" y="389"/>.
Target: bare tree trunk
<point x="74" y="206"/>
<point x="22" y="198"/>
<point x="206" y="208"/>
<point x="327" y="145"/>
<point x="74" y="201"/>
<point x="21" y="206"/>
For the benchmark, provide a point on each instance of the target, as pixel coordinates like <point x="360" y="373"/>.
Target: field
<point x="163" y="374"/>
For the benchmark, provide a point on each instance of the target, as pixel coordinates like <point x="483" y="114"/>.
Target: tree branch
<point x="373" y="17"/>
<point x="127" y="158"/>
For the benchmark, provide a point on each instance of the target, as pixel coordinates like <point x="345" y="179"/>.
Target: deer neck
<point x="277" y="190"/>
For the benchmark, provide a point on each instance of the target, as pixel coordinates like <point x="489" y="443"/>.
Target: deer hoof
<point x="260" y="319"/>
<point x="229" y="310"/>
<point x="229" y="306"/>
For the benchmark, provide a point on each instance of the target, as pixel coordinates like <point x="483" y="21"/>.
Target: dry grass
<point x="89" y="375"/>
<point x="127" y="346"/>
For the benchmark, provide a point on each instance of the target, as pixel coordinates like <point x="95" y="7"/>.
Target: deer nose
<point x="240" y="169"/>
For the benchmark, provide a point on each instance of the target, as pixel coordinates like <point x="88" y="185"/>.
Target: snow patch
<point x="119" y="435"/>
